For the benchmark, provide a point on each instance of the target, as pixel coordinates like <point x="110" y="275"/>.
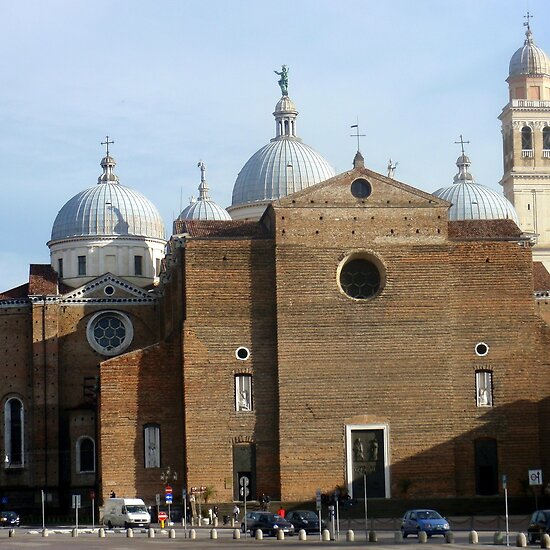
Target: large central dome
<point x="108" y="208"/>
<point x="283" y="166"/>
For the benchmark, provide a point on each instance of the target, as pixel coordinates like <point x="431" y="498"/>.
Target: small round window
<point x="361" y="188"/>
<point x="360" y="278"/>
<point x="109" y="290"/>
<point x="109" y="332"/>
<point x="242" y="353"/>
<point x="482" y="349"/>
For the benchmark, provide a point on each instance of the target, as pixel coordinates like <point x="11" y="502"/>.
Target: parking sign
<point x="535" y="477"/>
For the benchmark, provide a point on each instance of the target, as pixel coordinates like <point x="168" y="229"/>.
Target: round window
<point x="361" y="188"/>
<point x="360" y="278"/>
<point x="482" y="349"/>
<point x="109" y="332"/>
<point x="109" y="290"/>
<point x="242" y="353"/>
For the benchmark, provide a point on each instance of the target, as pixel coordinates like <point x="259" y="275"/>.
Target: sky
<point x="172" y="82"/>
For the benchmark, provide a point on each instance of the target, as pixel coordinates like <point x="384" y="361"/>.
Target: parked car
<point x="538" y="525"/>
<point x="269" y="524"/>
<point x="9" y="519"/>
<point x="430" y="521"/>
<point x="306" y="520"/>
<point x="251" y="518"/>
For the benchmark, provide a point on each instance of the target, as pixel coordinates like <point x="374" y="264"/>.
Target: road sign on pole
<point x="535" y="477"/>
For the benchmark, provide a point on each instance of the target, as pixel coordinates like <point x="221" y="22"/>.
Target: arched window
<point x="526" y="138"/>
<point x="13" y="433"/>
<point x="546" y="138"/>
<point x="85" y="455"/>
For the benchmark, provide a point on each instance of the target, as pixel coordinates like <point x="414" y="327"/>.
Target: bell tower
<point x="526" y="143"/>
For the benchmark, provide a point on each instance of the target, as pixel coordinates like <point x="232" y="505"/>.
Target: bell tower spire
<point x="526" y="142"/>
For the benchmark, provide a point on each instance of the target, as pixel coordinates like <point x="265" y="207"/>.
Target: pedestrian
<point x="236" y="512"/>
<point x="281" y="512"/>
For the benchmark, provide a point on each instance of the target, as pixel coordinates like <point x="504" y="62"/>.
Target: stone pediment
<point x="350" y="190"/>
<point x="111" y="289"/>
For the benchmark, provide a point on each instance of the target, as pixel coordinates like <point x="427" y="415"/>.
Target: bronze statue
<point x="283" y="81"/>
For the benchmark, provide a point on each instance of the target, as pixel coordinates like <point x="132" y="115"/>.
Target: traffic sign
<point x="244" y="481"/>
<point x="168" y="497"/>
<point x="168" y="490"/>
<point x="535" y="477"/>
<point x="163" y="516"/>
<point x="244" y="491"/>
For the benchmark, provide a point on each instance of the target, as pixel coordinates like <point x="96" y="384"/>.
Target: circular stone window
<point x="360" y="277"/>
<point x="361" y="188"/>
<point x="109" y="290"/>
<point x="109" y="332"/>
<point x="242" y="353"/>
<point x="482" y="349"/>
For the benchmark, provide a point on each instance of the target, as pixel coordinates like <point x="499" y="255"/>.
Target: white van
<point x="125" y="512"/>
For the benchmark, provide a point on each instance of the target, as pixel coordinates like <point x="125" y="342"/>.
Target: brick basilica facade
<point x="355" y="330"/>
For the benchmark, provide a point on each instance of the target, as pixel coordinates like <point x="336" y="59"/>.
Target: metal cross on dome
<point x="527" y="24"/>
<point x="462" y="142"/>
<point x="107" y="143"/>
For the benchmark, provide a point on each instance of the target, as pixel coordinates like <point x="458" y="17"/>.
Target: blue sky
<point x="175" y="81"/>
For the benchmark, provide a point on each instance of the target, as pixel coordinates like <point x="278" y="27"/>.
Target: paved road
<point x="27" y="539"/>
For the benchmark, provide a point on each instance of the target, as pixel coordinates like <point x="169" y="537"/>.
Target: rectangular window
<point x="60" y="268"/>
<point x="484" y="388"/>
<point x="151" y="439"/>
<point x="138" y="265"/>
<point x="534" y="92"/>
<point x="243" y="392"/>
<point x="82" y="265"/>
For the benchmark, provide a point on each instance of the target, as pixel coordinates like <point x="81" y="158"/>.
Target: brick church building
<point x="322" y="330"/>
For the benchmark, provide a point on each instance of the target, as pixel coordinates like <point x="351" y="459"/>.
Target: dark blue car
<point x="430" y="521"/>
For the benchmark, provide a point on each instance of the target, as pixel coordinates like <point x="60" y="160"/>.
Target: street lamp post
<point x="166" y="477"/>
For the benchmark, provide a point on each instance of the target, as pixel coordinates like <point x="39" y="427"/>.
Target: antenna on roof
<point x="357" y="134"/>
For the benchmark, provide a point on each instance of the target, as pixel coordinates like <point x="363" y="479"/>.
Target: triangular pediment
<point x="108" y="288"/>
<point x="348" y="190"/>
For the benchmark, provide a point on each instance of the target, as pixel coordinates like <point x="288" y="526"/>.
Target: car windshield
<point x="308" y="515"/>
<point x="428" y="514"/>
<point x="136" y="508"/>
<point x="9" y="515"/>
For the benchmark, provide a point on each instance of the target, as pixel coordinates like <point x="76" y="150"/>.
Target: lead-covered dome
<point x="108" y="208"/>
<point x="204" y="208"/>
<point x="283" y="166"/>
<point x="529" y="59"/>
<point x="472" y="201"/>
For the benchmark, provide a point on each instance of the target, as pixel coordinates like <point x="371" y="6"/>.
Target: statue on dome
<point x="283" y="81"/>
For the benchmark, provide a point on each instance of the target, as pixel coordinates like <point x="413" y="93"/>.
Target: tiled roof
<point x="221" y="228"/>
<point x="541" y="277"/>
<point x="17" y="292"/>
<point x="466" y="230"/>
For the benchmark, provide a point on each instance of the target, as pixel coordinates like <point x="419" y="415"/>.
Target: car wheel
<point x="532" y="539"/>
<point x="404" y="533"/>
<point x="109" y="524"/>
<point x="125" y="525"/>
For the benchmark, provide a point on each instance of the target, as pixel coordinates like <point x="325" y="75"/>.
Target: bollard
<point x="11" y="533"/>
<point x="302" y="535"/>
<point x="259" y="534"/>
<point x="372" y="536"/>
<point x="473" y="537"/>
<point x="236" y="534"/>
<point x="101" y="533"/>
<point x="545" y="541"/>
<point x="215" y="522"/>
<point x="129" y="533"/>
<point x="213" y="534"/>
<point x="449" y="537"/>
<point x="398" y="536"/>
<point x="74" y="532"/>
<point x="232" y="522"/>
<point x="280" y="534"/>
<point x="151" y="533"/>
<point x="422" y="537"/>
<point x="521" y="540"/>
<point x="325" y="535"/>
<point x="498" y="537"/>
<point x="172" y="534"/>
<point x="350" y="536"/>
<point x="192" y="534"/>
<point x="45" y="533"/>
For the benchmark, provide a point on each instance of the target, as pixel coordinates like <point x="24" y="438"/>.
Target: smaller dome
<point x="285" y="105"/>
<point x="472" y="201"/>
<point x="203" y="208"/>
<point x="529" y="59"/>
